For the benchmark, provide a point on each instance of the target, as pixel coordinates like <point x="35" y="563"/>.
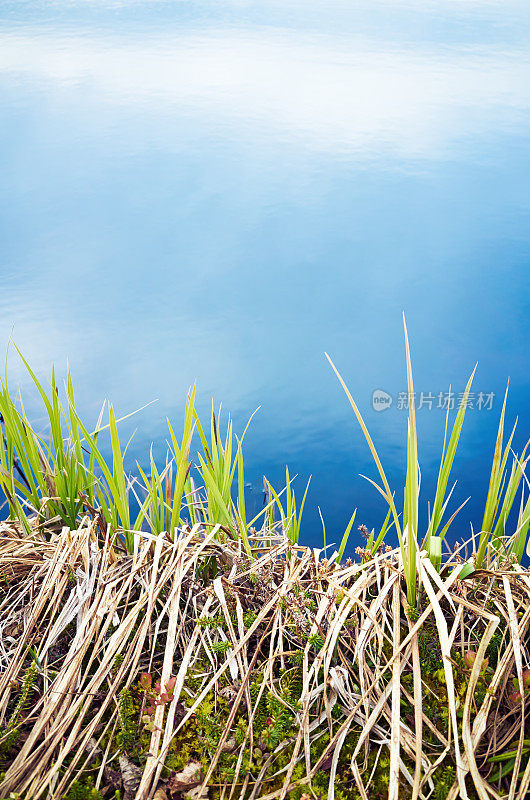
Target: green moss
<point x="83" y="791"/>
<point x="443" y="778"/>
<point x="429" y="648"/>
<point x="274" y="728"/>
<point x="127" y="736"/>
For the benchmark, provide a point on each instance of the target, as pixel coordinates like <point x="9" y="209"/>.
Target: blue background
<point x="222" y="191"/>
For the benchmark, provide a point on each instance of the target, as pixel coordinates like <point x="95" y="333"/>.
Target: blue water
<point x="222" y="191"/>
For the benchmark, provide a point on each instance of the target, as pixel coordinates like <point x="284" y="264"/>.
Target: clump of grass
<point x="69" y="474"/>
<point x="267" y="677"/>
<point x="56" y="477"/>
<point x="184" y="641"/>
<point x="503" y="487"/>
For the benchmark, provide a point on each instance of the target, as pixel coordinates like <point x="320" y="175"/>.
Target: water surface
<point x="222" y="191"/>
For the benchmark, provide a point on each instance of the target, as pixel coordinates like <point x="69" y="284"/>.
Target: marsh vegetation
<point x="188" y="651"/>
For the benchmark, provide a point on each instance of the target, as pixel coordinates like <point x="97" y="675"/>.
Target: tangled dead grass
<point x="391" y="692"/>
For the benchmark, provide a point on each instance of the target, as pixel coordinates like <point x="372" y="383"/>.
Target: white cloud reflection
<point x="324" y="93"/>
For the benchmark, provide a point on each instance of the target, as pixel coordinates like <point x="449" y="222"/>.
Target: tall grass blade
<point x="447" y="462"/>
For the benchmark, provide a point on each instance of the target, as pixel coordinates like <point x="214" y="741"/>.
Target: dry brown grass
<point x="96" y="618"/>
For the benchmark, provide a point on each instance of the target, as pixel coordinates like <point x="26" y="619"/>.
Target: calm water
<point x="222" y="191"/>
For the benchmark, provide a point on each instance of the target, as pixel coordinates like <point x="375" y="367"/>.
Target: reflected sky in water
<point x="222" y="191"/>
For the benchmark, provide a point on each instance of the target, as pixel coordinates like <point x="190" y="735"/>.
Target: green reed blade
<point x="346" y="535"/>
<point x="447" y="461"/>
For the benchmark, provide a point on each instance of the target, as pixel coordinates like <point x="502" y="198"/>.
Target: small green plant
<point x="37" y="476"/>
<point x="407" y="535"/>
<point x="154" y="696"/>
<point x="166" y="491"/>
<point x="128" y="725"/>
<point x="290" y="516"/>
<point x="501" y="494"/>
<point x="118" y="661"/>
<point x="316" y="641"/>
<point x="56" y="477"/>
<point x="83" y="791"/>
<point x="28" y="684"/>
<point x="506" y="761"/>
<point x="221" y="647"/>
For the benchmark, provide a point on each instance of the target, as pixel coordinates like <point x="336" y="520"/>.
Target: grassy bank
<point x="187" y="651"/>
